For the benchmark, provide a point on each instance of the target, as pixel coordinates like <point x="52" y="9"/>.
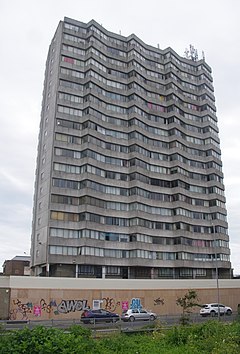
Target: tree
<point x="187" y="302"/>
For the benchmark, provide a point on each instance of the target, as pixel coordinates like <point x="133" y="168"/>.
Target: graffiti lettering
<point x="47" y="307"/>
<point x="158" y="301"/>
<point x="110" y="304"/>
<point x="136" y="304"/>
<point x="22" y="309"/>
<point x="67" y="306"/>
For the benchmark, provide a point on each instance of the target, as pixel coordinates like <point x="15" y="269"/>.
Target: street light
<point x="216" y="265"/>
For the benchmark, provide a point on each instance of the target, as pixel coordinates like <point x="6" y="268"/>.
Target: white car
<point x="212" y="310"/>
<point x="138" y="315"/>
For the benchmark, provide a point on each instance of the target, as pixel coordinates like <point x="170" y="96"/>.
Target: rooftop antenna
<point x="158" y="46"/>
<point x="191" y="53"/>
<point x="120" y="32"/>
<point x="187" y="53"/>
<point x="203" y="55"/>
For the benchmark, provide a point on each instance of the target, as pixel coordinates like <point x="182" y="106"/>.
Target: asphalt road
<point x="164" y="321"/>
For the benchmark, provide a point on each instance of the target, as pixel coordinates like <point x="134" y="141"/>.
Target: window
<point x="165" y="272"/>
<point x="186" y="272"/>
<point x="111" y="270"/>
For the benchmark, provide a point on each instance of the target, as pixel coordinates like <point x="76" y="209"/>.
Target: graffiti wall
<point x="24" y="311"/>
<point x="30" y="308"/>
<point x="33" y="298"/>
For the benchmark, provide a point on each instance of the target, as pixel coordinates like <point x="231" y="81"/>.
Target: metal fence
<point x="163" y="321"/>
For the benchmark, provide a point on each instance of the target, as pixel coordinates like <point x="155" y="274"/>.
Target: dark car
<point x="93" y="316"/>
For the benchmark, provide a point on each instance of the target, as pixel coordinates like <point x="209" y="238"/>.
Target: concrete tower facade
<point x="129" y="180"/>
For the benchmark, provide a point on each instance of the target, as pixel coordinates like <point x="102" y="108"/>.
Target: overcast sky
<point x="26" y="29"/>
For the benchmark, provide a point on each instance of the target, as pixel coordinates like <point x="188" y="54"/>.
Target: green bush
<point x="209" y="337"/>
<point x="43" y="340"/>
<point x="80" y="331"/>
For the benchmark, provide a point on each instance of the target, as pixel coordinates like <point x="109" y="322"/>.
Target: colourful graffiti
<point x="47" y="307"/>
<point x="24" y="310"/>
<point x="136" y="304"/>
<point x="124" y="305"/>
<point x="37" y="310"/>
<point x="158" y="301"/>
<point x="21" y="311"/>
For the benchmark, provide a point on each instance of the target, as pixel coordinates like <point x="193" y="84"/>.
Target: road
<point x="164" y="321"/>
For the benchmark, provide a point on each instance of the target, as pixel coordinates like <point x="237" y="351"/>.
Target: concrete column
<point x="152" y="273"/>
<point x="47" y="269"/>
<point x="103" y="272"/>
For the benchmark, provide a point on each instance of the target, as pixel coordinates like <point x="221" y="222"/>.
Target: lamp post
<point x="216" y="269"/>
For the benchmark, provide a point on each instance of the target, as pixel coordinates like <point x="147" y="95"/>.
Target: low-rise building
<point x="19" y="265"/>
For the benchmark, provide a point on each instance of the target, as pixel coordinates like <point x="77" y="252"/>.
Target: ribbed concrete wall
<point x="129" y="180"/>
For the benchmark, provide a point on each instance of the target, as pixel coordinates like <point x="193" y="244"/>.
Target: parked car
<point x="212" y="310"/>
<point x="136" y="314"/>
<point x="92" y="316"/>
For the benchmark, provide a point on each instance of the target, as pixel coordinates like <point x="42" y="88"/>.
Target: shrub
<point x="77" y="330"/>
<point x="211" y="337"/>
<point x="187" y="303"/>
<point x="43" y="340"/>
